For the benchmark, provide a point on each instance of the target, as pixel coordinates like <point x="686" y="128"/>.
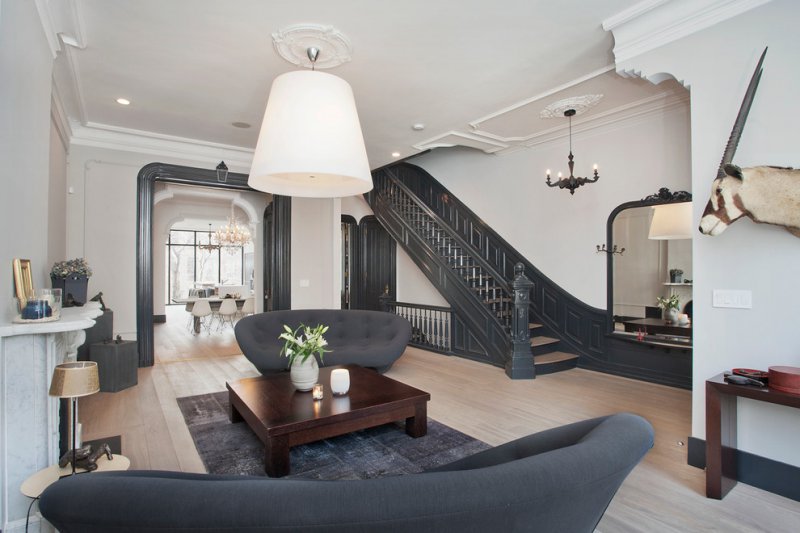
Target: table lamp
<point x="73" y="380"/>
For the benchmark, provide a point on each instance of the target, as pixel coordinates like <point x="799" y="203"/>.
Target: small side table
<point x="721" y="474"/>
<point x="35" y="485"/>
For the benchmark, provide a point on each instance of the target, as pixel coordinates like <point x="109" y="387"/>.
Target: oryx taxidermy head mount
<point x="765" y="194"/>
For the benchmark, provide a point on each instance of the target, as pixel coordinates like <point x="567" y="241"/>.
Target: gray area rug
<point x="227" y="448"/>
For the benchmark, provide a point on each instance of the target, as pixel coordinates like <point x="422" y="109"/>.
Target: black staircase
<point x="488" y="302"/>
<point x="474" y="270"/>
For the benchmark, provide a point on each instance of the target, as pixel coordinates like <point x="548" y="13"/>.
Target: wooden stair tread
<point x="534" y="325"/>
<point x="541" y="341"/>
<point x="553" y="357"/>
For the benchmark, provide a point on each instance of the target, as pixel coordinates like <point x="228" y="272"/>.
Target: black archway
<point x="146" y="180"/>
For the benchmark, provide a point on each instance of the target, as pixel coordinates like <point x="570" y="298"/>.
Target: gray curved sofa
<point x="370" y="339"/>
<point x="560" y="480"/>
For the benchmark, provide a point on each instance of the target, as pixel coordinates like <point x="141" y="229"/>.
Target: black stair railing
<point x="470" y="284"/>
<point x="580" y="326"/>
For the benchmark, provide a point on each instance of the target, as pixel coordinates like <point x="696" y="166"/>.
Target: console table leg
<point x="417" y="425"/>
<point x="276" y="456"/>
<point x="721" y="443"/>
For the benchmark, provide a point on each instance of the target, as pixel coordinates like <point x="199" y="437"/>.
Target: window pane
<point x="181" y="237"/>
<point x="232" y="266"/>
<point x="181" y="276"/>
<point x="208" y="266"/>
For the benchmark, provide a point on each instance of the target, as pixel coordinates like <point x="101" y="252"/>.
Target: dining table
<point x="214" y="302"/>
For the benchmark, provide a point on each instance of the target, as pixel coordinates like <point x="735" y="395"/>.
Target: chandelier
<point x="208" y="246"/>
<point x="571" y="182"/>
<point x="232" y="235"/>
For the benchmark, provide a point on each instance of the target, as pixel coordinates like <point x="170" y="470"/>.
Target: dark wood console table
<point x="721" y="475"/>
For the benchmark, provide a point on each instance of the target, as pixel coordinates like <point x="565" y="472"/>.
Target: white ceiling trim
<point x="62" y="23"/>
<point x="60" y="118"/>
<point x="145" y="142"/>
<point x="458" y="138"/>
<point x="652" y="23"/>
<point x="475" y="124"/>
<point x="656" y="104"/>
<point x="653" y="104"/>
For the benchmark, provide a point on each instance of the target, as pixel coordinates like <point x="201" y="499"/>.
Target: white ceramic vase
<point x="304" y="374"/>
<point x="671" y="315"/>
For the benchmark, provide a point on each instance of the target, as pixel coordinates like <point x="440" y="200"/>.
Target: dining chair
<point x="202" y="311"/>
<point x="248" y="307"/>
<point x="227" y="309"/>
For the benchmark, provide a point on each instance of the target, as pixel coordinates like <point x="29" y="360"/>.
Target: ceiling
<point x="475" y="73"/>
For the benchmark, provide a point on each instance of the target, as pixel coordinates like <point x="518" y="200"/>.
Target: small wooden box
<point x="785" y="379"/>
<point x="117" y="364"/>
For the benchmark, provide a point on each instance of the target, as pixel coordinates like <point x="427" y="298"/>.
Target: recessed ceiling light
<point x="123" y="101"/>
<point x="395" y="154"/>
<point x="243" y="125"/>
<point x="419" y="126"/>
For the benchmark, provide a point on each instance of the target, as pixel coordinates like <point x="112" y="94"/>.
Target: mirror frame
<point x="663" y="196"/>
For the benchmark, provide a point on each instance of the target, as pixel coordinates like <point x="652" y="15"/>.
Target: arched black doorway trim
<point x="146" y="180"/>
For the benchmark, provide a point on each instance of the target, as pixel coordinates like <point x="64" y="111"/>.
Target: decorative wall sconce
<point x="571" y="182"/>
<point x="222" y="172"/>
<point x="612" y="251"/>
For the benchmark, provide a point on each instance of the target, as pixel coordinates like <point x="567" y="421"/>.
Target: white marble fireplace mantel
<point x="28" y="416"/>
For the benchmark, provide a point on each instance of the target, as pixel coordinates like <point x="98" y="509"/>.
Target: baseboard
<point x="159" y="319"/>
<point x="766" y="474"/>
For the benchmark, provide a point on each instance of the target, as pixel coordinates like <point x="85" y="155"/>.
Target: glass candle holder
<point x="53" y="296"/>
<point x="316" y="392"/>
<point x="340" y="381"/>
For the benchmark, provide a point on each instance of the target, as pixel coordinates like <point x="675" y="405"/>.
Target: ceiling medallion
<point x="292" y="44"/>
<point x="580" y="104"/>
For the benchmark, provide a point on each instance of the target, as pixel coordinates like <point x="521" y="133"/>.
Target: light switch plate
<point x="732" y="299"/>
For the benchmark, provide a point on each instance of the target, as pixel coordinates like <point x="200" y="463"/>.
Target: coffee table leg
<point x="234" y="414"/>
<point x="276" y="456"/>
<point x="417" y="425"/>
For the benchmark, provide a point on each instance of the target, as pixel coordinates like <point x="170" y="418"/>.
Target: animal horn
<point x="741" y="118"/>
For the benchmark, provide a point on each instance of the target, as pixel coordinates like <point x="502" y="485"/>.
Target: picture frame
<point x="23" y="280"/>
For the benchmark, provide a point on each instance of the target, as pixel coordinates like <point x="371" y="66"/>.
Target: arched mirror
<point x="650" y="269"/>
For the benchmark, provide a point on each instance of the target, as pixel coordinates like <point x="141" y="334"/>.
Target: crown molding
<point x="653" y="23"/>
<point x="62" y="24"/>
<point x="475" y="124"/>
<point x="492" y="143"/>
<point x="60" y="118"/>
<point x="145" y="142"/>
<point x="459" y="138"/>
<point x="645" y="107"/>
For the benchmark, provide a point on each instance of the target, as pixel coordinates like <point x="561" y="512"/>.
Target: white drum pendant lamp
<point x="310" y="142"/>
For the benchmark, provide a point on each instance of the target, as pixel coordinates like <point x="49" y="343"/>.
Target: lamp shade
<point x="72" y="380"/>
<point x="310" y="142"/>
<point x="671" y="221"/>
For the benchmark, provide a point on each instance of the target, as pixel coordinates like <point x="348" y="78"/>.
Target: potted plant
<point x="299" y="347"/>
<point x="675" y="275"/>
<point x="72" y="277"/>
<point x="670" y="305"/>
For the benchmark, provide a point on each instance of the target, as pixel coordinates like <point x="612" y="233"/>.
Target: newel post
<point x="520" y="365"/>
<point x="384" y="299"/>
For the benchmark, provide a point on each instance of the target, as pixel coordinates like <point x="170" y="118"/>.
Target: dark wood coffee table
<point x="283" y="417"/>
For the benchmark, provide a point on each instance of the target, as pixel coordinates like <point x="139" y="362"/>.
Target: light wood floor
<point x="662" y="494"/>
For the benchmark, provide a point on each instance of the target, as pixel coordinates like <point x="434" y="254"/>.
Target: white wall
<point x="759" y="258"/>
<point x="316" y="253"/>
<point x="57" y="199"/>
<point x="554" y="230"/>
<point x="25" y="88"/>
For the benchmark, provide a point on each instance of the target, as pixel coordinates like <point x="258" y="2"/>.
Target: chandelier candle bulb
<point x="340" y="381"/>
